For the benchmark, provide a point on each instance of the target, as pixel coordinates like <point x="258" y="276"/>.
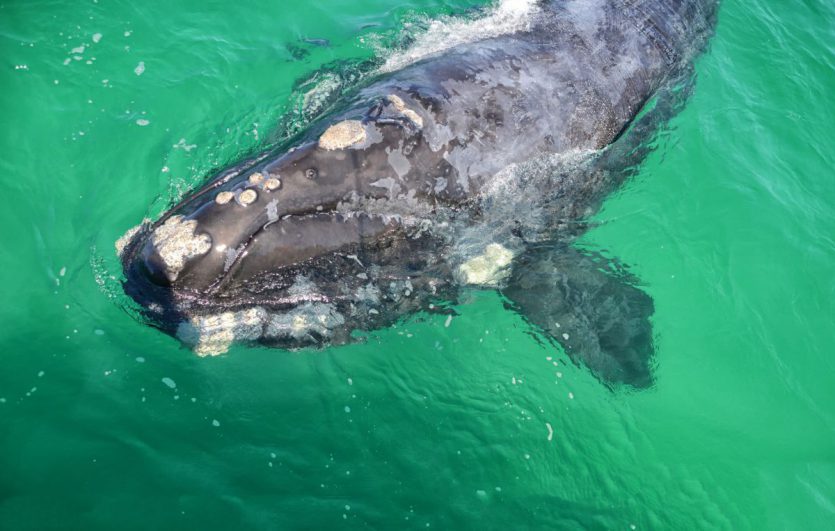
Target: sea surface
<point x="111" y="110"/>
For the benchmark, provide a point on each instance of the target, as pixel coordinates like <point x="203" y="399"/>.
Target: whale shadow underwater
<point x="473" y="167"/>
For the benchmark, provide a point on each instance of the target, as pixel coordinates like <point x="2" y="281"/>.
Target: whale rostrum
<point x="477" y="166"/>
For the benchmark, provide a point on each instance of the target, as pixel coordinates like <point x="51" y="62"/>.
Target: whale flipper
<point x="591" y="306"/>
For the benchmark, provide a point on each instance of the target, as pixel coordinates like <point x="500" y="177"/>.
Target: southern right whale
<point x="475" y="166"/>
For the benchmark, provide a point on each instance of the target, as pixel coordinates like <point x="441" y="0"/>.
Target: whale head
<point x="298" y="248"/>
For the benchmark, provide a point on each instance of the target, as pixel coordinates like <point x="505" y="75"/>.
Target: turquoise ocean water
<point x="108" y="107"/>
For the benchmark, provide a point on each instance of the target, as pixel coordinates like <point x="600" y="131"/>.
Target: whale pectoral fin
<point x="590" y="306"/>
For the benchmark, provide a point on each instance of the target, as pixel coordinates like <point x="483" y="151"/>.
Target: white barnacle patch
<point x="125" y="239"/>
<point x="368" y="294"/>
<point x="342" y="135"/>
<point x="176" y="242"/>
<point x="224" y="197"/>
<point x="302" y="288"/>
<point x="488" y="268"/>
<point x="256" y="178"/>
<point x="247" y="197"/>
<point x="212" y="335"/>
<point x="400" y="105"/>
<point x="399" y="289"/>
<point x="299" y="323"/>
<point x="272" y="184"/>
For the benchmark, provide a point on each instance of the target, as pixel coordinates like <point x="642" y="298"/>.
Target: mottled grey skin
<point x="494" y="142"/>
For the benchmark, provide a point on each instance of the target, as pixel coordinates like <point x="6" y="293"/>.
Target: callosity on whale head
<point x="472" y="166"/>
<point x="305" y="246"/>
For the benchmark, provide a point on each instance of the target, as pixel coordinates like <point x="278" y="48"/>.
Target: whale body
<point x="476" y="166"/>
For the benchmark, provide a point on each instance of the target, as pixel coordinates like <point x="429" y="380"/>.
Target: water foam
<point x="505" y="16"/>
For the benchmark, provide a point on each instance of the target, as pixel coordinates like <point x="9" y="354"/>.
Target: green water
<point x="730" y="225"/>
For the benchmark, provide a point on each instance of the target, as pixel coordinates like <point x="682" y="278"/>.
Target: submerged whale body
<point x="476" y="166"/>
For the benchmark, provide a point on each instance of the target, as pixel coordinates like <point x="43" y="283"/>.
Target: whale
<point x="473" y="168"/>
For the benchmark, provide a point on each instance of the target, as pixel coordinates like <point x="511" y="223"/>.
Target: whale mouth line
<point x="204" y="303"/>
<point x="242" y="249"/>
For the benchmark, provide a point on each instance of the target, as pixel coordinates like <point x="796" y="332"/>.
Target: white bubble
<point x="142" y="122"/>
<point x="169" y="382"/>
<point x="140" y="68"/>
<point x="184" y="146"/>
<point x="508" y="16"/>
<point x="215" y="423"/>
